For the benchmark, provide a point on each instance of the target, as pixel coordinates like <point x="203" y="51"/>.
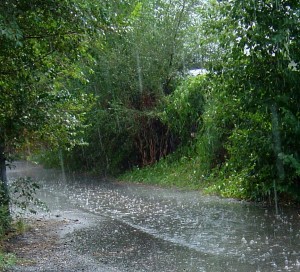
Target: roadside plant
<point x="5" y="220"/>
<point x="183" y="109"/>
<point x="23" y="196"/>
<point x="22" y="192"/>
<point x="7" y="260"/>
<point x="254" y="109"/>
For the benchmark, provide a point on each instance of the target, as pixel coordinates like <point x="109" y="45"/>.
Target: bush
<point x="183" y="109"/>
<point x="6" y="260"/>
<point x="23" y="195"/>
<point x="5" y="220"/>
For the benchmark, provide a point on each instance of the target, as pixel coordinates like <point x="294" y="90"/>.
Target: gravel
<point x="48" y="245"/>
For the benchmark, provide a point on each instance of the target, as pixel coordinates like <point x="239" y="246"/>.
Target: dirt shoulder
<point x="48" y="246"/>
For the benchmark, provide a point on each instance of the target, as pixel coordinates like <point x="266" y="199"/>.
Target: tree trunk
<point x="4" y="196"/>
<point x="277" y="142"/>
<point x="277" y="150"/>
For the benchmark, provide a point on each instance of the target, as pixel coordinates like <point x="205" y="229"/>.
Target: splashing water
<point x="152" y="229"/>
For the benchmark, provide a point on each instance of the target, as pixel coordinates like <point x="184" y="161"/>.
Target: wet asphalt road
<point x="142" y="228"/>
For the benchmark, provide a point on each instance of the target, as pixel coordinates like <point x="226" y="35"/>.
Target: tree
<point x="41" y="42"/>
<point x="143" y="57"/>
<point x="259" y="79"/>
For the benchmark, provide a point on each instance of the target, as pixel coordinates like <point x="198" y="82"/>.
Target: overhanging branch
<point x="48" y="35"/>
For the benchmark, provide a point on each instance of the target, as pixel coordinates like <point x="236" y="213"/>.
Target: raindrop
<point x="242" y="258"/>
<point x="286" y="262"/>
<point x="267" y="241"/>
<point x="273" y="264"/>
<point x="243" y="240"/>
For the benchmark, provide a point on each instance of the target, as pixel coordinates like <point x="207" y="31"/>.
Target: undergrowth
<point x="176" y="170"/>
<point x="186" y="170"/>
<point x="8" y="260"/>
<point x="23" y="199"/>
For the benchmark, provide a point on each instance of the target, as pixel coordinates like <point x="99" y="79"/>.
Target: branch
<point x="51" y="35"/>
<point x="15" y="71"/>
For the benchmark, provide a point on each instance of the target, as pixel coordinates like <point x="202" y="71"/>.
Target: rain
<point x="170" y="127"/>
<point x="146" y="228"/>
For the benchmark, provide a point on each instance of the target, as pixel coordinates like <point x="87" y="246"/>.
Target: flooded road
<point x="144" y="228"/>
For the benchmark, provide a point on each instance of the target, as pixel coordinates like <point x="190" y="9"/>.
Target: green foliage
<point x="22" y="198"/>
<point x="7" y="260"/>
<point x="5" y="220"/>
<point x="249" y="134"/>
<point x="137" y="65"/>
<point x="244" y="113"/>
<point x="179" y="170"/>
<point x="220" y="113"/>
<point x="101" y="84"/>
<point x="257" y="140"/>
<point x="183" y="109"/>
<point x="20" y="226"/>
<point x="15" y="228"/>
<point x="23" y="195"/>
<point x="22" y="192"/>
<point x="43" y="44"/>
<point x="48" y="158"/>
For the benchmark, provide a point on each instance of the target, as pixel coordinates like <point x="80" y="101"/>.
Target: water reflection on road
<point x="154" y="229"/>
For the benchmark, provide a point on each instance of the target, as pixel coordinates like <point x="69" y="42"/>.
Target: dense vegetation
<point x="105" y="87"/>
<point x="41" y="44"/>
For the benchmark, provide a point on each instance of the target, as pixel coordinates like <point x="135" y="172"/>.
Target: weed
<point x="7" y="260"/>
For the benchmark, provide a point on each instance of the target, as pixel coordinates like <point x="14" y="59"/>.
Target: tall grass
<point x="176" y="170"/>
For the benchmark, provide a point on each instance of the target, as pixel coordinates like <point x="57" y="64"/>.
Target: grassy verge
<point x="7" y="260"/>
<point x="183" y="172"/>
